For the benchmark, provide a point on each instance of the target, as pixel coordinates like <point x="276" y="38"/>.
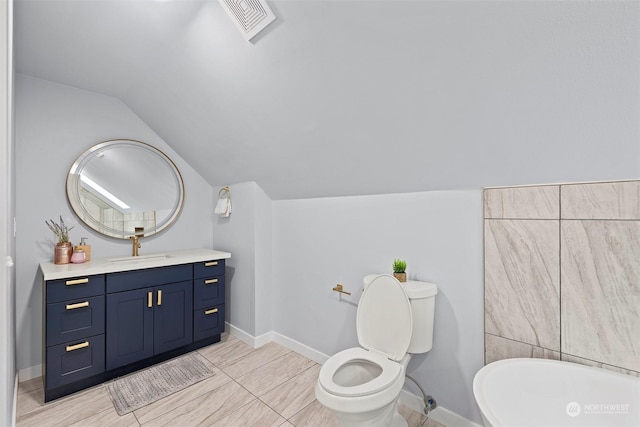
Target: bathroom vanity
<point x="112" y="316"/>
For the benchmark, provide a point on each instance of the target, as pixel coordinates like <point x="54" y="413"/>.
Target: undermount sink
<point x="140" y="258"/>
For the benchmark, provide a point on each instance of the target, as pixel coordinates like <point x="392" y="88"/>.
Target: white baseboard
<point x="14" y="410"/>
<point x="263" y="339"/>
<point x="440" y="414"/>
<point x="300" y="348"/>
<point x="29" y="373"/>
<point x="241" y="335"/>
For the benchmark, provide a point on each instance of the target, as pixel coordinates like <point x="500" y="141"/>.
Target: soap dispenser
<point x="85" y="247"/>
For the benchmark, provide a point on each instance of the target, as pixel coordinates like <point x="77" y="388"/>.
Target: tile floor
<point x="279" y="393"/>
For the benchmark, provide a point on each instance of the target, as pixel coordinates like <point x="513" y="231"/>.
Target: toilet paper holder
<point x="340" y="288"/>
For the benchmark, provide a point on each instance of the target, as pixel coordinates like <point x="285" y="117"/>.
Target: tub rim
<point x="482" y="373"/>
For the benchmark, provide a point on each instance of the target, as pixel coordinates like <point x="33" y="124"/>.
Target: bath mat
<point x="142" y="388"/>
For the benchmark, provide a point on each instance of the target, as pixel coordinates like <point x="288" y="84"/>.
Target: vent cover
<point x="249" y="16"/>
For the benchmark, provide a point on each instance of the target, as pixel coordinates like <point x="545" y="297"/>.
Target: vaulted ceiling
<point x="361" y="96"/>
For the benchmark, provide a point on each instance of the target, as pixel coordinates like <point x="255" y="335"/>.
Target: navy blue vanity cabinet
<point x="208" y="299"/>
<point x="74" y="331"/>
<point x="142" y="320"/>
<point x="111" y="323"/>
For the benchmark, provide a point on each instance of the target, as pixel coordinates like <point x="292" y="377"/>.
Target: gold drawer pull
<point x="211" y="264"/>
<point x="150" y="299"/>
<point x="78" y="346"/>
<point x="213" y="310"/>
<point x="159" y="297"/>
<point x="210" y="281"/>
<point x="77" y="281"/>
<point x="77" y="305"/>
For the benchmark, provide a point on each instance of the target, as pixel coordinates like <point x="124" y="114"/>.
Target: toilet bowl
<point x="362" y="384"/>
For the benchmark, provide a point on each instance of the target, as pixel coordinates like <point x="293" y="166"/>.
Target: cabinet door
<point x="129" y="326"/>
<point x="173" y="316"/>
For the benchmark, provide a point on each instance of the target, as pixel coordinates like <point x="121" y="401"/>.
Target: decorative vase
<point x="402" y="277"/>
<point x="78" y="256"/>
<point x="62" y="254"/>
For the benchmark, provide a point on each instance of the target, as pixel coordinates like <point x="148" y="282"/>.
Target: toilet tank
<point x="422" y="296"/>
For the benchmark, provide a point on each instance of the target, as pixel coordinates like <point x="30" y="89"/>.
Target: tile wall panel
<point x="574" y="359"/>
<point x="522" y="286"/>
<point x="601" y="291"/>
<point x="606" y="200"/>
<point x="498" y="348"/>
<point x="540" y="202"/>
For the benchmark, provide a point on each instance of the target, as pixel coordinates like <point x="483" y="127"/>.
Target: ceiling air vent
<point x="250" y="16"/>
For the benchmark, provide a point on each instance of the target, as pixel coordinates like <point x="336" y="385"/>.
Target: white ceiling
<point x="361" y="96"/>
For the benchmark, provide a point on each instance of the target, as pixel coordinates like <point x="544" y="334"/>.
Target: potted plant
<point x="399" y="270"/>
<point x="64" y="248"/>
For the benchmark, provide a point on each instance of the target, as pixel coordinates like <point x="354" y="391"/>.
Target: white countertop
<point x="51" y="271"/>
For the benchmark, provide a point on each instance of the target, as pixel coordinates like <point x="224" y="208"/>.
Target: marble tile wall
<point x="541" y="202"/>
<point x="522" y="281"/>
<point x="562" y="273"/>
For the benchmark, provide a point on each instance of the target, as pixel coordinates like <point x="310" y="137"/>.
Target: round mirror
<point x="122" y="188"/>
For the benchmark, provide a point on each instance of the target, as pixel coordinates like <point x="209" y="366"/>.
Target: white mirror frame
<point x="74" y="188"/>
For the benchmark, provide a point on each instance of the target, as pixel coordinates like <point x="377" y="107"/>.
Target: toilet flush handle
<point x="340" y="289"/>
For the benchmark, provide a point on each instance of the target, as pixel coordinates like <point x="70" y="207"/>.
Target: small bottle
<point x="78" y="256"/>
<point x="86" y="248"/>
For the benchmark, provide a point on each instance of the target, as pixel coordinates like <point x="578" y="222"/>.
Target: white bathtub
<point x="550" y="393"/>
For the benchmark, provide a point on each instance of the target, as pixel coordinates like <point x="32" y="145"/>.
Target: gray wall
<point x="318" y="243"/>
<point x="54" y="124"/>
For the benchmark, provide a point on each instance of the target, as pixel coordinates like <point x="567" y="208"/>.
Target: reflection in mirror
<point x="122" y="188"/>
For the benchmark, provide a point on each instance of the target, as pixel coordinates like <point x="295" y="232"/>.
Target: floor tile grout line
<point x="274" y="386"/>
<point x="257" y="367"/>
<point x="136" y="418"/>
<point x="185" y="403"/>
<point x="269" y="406"/>
<point x="300" y="410"/>
<point x="281" y="384"/>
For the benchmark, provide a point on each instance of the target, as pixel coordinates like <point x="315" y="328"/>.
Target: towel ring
<point x="223" y="189"/>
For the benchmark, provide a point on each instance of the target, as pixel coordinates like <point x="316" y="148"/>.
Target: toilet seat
<point x="390" y="372"/>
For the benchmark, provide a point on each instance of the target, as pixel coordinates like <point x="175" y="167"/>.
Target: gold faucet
<point x="136" y="244"/>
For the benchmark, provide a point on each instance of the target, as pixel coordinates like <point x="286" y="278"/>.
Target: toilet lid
<point x="384" y="321"/>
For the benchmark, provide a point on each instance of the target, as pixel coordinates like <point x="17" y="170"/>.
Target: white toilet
<point x="394" y="320"/>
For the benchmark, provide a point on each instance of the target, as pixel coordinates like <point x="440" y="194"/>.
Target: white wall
<point x="54" y="124"/>
<point x="318" y="243"/>
<point x="7" y="209"/>
<point x="247" y="235"/>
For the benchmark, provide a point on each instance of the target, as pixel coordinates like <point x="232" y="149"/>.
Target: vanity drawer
<point x="136" y="279"/>
<point x="208" y="268"/>
<point x="74" y="288"/>
<point x="208" y="291"/>
<point x="74" y="360"/>
<point x="75" y="319"/>
<point x="208" y="322"/>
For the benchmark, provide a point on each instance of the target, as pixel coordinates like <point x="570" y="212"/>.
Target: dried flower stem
<point x="61" y="231"/>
